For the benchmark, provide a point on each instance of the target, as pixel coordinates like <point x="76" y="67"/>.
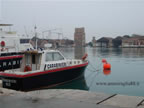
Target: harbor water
<point x="126" y="75"/>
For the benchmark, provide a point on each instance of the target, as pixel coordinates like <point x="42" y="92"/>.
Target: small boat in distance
<point x="43" y="68"/>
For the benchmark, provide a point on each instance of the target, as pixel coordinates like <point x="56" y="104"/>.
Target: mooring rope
<point x="93" y="71"/>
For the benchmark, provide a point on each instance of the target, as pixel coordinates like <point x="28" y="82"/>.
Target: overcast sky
<point x="101" y="18"/>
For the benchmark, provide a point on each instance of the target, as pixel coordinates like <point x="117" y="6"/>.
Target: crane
<point x="50" y="32"/>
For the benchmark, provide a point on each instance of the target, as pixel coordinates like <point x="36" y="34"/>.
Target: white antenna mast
<point x="35" y="37"/>
<point x="26" y="31"/>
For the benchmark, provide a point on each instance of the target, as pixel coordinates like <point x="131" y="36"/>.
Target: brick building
<point x="137" y="41"/>
<point x="79" y="40"/>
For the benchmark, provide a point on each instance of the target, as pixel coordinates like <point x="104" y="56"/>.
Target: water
<point x="126" y="75"/>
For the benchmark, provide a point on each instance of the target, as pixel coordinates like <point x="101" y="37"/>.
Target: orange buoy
<point x="85" y="56"/>
<point x="104" y="61"/>
<point x="106" y="66"/>
<point x="106" y="72"/>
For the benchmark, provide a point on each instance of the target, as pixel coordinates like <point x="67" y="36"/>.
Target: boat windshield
<point x="54" y="56"/>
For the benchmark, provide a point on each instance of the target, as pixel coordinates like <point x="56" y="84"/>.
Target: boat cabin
<point x="31" y="61"/>
<point x="42" y="60"/>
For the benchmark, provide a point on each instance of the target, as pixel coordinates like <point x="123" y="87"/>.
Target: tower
<point x="79" y="39"/>
<point x="93" y="42"/>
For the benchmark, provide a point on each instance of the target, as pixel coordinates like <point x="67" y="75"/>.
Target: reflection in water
<point x="94" y="51"/>
<point x="79" y="83"/>
<point x="133" y="52"/>
<point x="106" y="72"/>
<point x="122" y="52"/>
<point x="107" y="52"/>
<point x="79" y="52"/>
<point x="127" y="66"/>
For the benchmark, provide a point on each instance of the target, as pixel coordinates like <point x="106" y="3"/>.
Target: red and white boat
<point x="43" y="68"/>
<point x="11" y="46"/>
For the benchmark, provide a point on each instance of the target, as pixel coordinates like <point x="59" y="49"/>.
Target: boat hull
<point x="43" y="80"/>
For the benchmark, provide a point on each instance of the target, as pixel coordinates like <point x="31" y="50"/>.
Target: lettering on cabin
<point x="56" y="65"/>
<point x="10" y="64"/>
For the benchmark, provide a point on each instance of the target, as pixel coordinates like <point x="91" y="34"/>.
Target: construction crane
<point x="50" y="32"/>
<point x="59" y="34"/>
<point x="26" y="31"/>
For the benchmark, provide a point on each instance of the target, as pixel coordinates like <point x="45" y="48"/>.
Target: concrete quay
<point x="62" y="98"/>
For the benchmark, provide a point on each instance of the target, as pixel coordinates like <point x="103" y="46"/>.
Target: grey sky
<point x="109" y="18"/>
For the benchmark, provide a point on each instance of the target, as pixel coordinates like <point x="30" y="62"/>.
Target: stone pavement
<point x="62" y="98"/>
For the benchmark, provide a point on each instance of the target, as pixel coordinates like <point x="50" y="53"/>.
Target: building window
<point x="24" y="40"/>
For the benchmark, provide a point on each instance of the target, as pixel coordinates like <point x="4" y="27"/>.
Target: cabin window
<point x="54" y="56"/>
<point x="28" y="59"/>
<point x="33" y="59"/>
<point x="38" y="59"/>
<point x="58" y="56"/>
<point x="49" y="57"/>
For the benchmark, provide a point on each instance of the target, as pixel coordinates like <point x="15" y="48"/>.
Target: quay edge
<point x="67" y="98"/>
